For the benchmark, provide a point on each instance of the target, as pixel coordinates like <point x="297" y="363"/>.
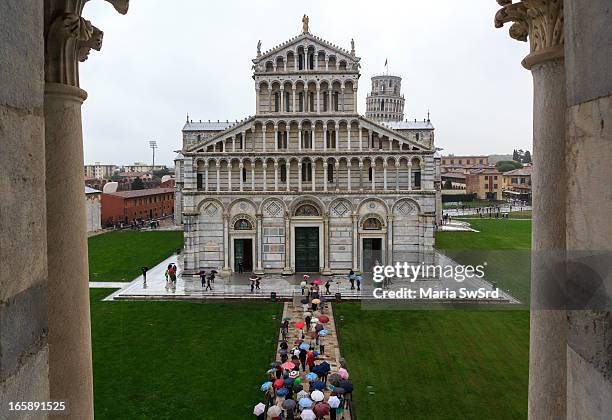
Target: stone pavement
<point x="294" y="311"/>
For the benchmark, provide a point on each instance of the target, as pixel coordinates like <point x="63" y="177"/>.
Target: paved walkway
<point x="107" y="284"/>
<point x="294" y="311"/>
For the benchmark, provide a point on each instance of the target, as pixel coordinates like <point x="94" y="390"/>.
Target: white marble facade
<point x="306" y="184"/>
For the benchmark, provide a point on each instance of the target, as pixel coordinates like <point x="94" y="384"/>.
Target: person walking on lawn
<point x="144" y="270"/>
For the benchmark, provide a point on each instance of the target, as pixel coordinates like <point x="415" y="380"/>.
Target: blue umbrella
<point x="325" y="366"/>
<point x="305" y="402"/>
<point x="282" y="392"/>
<point x="266" y="385"/>
<point x="288" y="382"/>
<point x="323" y="333"/>
<point x="317" y="385"/>
<point x="311" y="376"/>
<point x="304" y="346"/>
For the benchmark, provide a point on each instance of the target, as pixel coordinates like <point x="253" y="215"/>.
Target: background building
<point x="485" y="184"/>
<point x="128" y="206"/>
<point x="517" y="184"/>
<point x="385" y="102"/>
<point x="99" y="171"/>
<point x="93" y="209"/>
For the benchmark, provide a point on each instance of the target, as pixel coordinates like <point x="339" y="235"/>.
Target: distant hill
<point x="493" y="159"/>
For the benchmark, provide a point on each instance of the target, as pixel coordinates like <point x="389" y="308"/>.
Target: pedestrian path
<point x="332" y="392"/>
<point x="107" y="284"/>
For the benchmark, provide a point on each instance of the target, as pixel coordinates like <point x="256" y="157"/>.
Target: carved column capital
<point x="540" y="21"/>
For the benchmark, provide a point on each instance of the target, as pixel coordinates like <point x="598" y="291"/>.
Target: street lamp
<point x="153" y="146"/>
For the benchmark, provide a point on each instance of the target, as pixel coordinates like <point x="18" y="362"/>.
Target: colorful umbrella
<point x="289" y="404"/>
<point x="317" y="281"/>
<point x="274" y="411"/>
<point x="288" y="365"/>
<point x="311" y="376"/>
<point x="347" y="385"/>
<point x="343" y="373"/>
<point x="312" y="334"/>
<point x="308" y="415"/>
<point x="319" y="327"/>
<point x="324" y="319"/>
<point x="317" y="396"/>
<point x="297" y="380"/>
<point x="294" y="374"/>
<point x="317" y="385"/>
<point x="323" y="333"/>
<point x="286" y="318"/>
<point x="266" y="386"/>
<point x="334" y="379"/>
<point x="316" y="301"/>
<point x="321" y="409"/>
<point x="314" y="321"/>
<point x="333" y="401"/>
<point x="303" y="394"/>
<point x="278" y="383"/>
<point x="305" y="402"/>
<point x="259" y="409"/>
<point x="297" y="387"/>
<point x="288" y="382"/>
<point x="299" y="325"/>
<point x="304" y="346"/>
<point x="282" y="392"/>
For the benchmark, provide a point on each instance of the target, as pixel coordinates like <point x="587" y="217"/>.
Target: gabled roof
<point x="524" y="171"/>
<point x="297" y="40"/>
<point x="232" y="127"/>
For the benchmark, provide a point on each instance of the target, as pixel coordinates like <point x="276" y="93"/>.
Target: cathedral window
<point x="331" y="139"/>
<point x="307" y="172"/>
<point x="307" y="140"/>
<point x="244" y="174"/>
<point x="330" y="172"/>
<point x="311" y="59"/>
<point x="276" y="102"/>
<point x="336" y="99"/>
<point x="307" y="210"/>
<point x="199" y="181"/>
<point x="325" y="101"/>
<point x="311" y="102"/>
<point x="370" y="174"/>
<point x="301" y="101"/>
<point x="300" y="61"/>
<point x="287" y="102"/>
<point x="283" y="173"/>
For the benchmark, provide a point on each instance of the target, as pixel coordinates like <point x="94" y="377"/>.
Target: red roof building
<point x="128" y="206"/>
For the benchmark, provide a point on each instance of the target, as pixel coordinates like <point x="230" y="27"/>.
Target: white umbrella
<point x="334" y="402"/>
<point x="274" y="411"/>
<point x="259" y="409"/>
<point x="302" y="394"/>
<point x="317" y="396"/>
<point x="308" y="415"/>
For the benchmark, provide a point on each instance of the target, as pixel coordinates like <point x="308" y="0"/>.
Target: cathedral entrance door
<point x="307" y="249"/>
<point x="243" y="255"/>
<point x="372" y="252"/>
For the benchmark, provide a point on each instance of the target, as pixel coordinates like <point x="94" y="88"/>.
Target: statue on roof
<point x="305" y="24"/>
<point x="352" y="46"/>
<point x="259" y="48"/>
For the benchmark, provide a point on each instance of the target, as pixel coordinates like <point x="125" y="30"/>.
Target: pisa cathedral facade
<point x="307" y="184"/>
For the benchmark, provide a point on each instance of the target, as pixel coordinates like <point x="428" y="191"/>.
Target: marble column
<point x="265" y="176"/>
<point x="325" y="137"/>
<point x="338" y="137"/>
<point x="397" y="175"/>
<point x="542" y="24"/>
<point x="325" y="165"/>
<point x="313" y="168"/>
<point x="360" y="138"/>
<point x="259" y="238"/>
<point x="389" y="240"/>
<point x="318" y="99"/>
<point x="293" y="101"/>
<point x="233" y="143"/>
<point x="282" y="99"/>
<point x="361" y="176"/>
<point x="229" y="176"/>
<point x="300" y="137"/>
<point x="240" y="176"/>
<point x="348" y="136"/>
<point x="355" y="220"/>
<point x="275" y="176"/>
<point x="300" y="176"/>
<point x="218" y="177"/>
<point x="263" y="134"/>
<point x="348" y="175"/>
<point x="244" y="140"/>
<point x="206" y="176"/>
<point x="287" y="174"/>
<point x="226" y="266"/>
<point x="385" y="175"/>
<point x="253" y="176"/>
<point x="287" y="270"/>
<point x="373" y="166"/>
<point x="409" y="165"/>
<point x="337" y="175"/>
<point x="275" y="138"/>
<point x="326" y="269"/>
<point x="355" y="101"/>
<point x="68" y="39"/>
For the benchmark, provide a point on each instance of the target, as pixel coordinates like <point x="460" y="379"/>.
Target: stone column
<point x="240" y="172"/>
<point x="287" y="270"/>
<point x="348" y="134"/>
<point x="373" y="166"/>
<point x="253" y="176"/>
<point x="330" y="100"/>
<point x="259" y="238"/>
<point x="244" y="139"/>
<point x="265" y="176"/>
<point x="341" y="99"/>
<point x="313" y="136"/>
<point x="282" y="99"/>
<point x="318" y="99"/>
<point x="326" y="269"/>
<point x="355" y="220"/>
<point x="293" y="101"/>
<point x="409" y="165"/>
<point x="263" y="134"/>
<point x="229" y="176"/>
<point x="348" y="175"/>
<point x="226" y="266"/>
<point x="361" y="176"/>
<point x="370" y="139"/>
<point x="234" y="143"/>
<point x="218" y="177"/>
<point x="337" y="137"/>
<point x="385" y="175"/>
<point x="300" y="137"/>
<point x="270" y="103"/>
<point x="326" y="63"/>
<point x="541" y="22"/>
<point x="257" y="99"/>
<point x="275" y="176"/>
<point x="355" y="100"/>
<point x="325" y="175"/>
<point x="389" y="240"/>
<point x="313" y="168"/>
<point x="68" y="39"/>
<point x="337" y="175"/>
<point x="360" y="137"/>
<point x="300" y="176"/>
<point x="275" y="138"/>
<point x="288" y="174"/>
<point x="397" y="175"/>
<point x="206" y="177"/>
<point x="324" y="137"/>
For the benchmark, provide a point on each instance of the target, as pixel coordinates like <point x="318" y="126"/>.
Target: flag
<point x="386" y="60"/>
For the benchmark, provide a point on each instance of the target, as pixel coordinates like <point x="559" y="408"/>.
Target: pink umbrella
<point x="321" y="409"/>
<point x="317" y="281"/>
<point x="343" y="373"/>
<point x="290" y="365"/>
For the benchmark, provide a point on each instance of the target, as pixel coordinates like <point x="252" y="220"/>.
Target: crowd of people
<point x="301" y="385"/>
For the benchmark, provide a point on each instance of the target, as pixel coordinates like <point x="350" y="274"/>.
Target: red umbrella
<point x="279" y="383"/>
<point x="317" y="282"/>
<point x="324" y="319"/>
<point x="299" y="325"/>
<point x="287" y="365"/>
<point x="321" y="409"/>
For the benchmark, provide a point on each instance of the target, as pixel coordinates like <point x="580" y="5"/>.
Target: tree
<point x="527" y="157"/>
<point x="507" y="165"/>
<point x="448" y="185"/>
<point x="160" y="173"/>
<point x="115" y="177"/>
<point x="137" y="184"/>
<point x="515" y="156"/>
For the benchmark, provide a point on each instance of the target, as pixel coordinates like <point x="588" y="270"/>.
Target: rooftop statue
<point x="305" y="24"/>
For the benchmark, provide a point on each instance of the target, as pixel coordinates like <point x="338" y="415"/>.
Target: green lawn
<point x="503" y="244"/>
<point x="472" y="204"/>
<point x="119" y="255"/>
<point x="180" y="360"/>
<point x="453" y="364"/>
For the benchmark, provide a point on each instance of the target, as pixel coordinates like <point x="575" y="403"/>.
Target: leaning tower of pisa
<point x="385" y="102"/>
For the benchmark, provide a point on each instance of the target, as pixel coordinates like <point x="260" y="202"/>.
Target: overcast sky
<point x="166" y="59"/>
